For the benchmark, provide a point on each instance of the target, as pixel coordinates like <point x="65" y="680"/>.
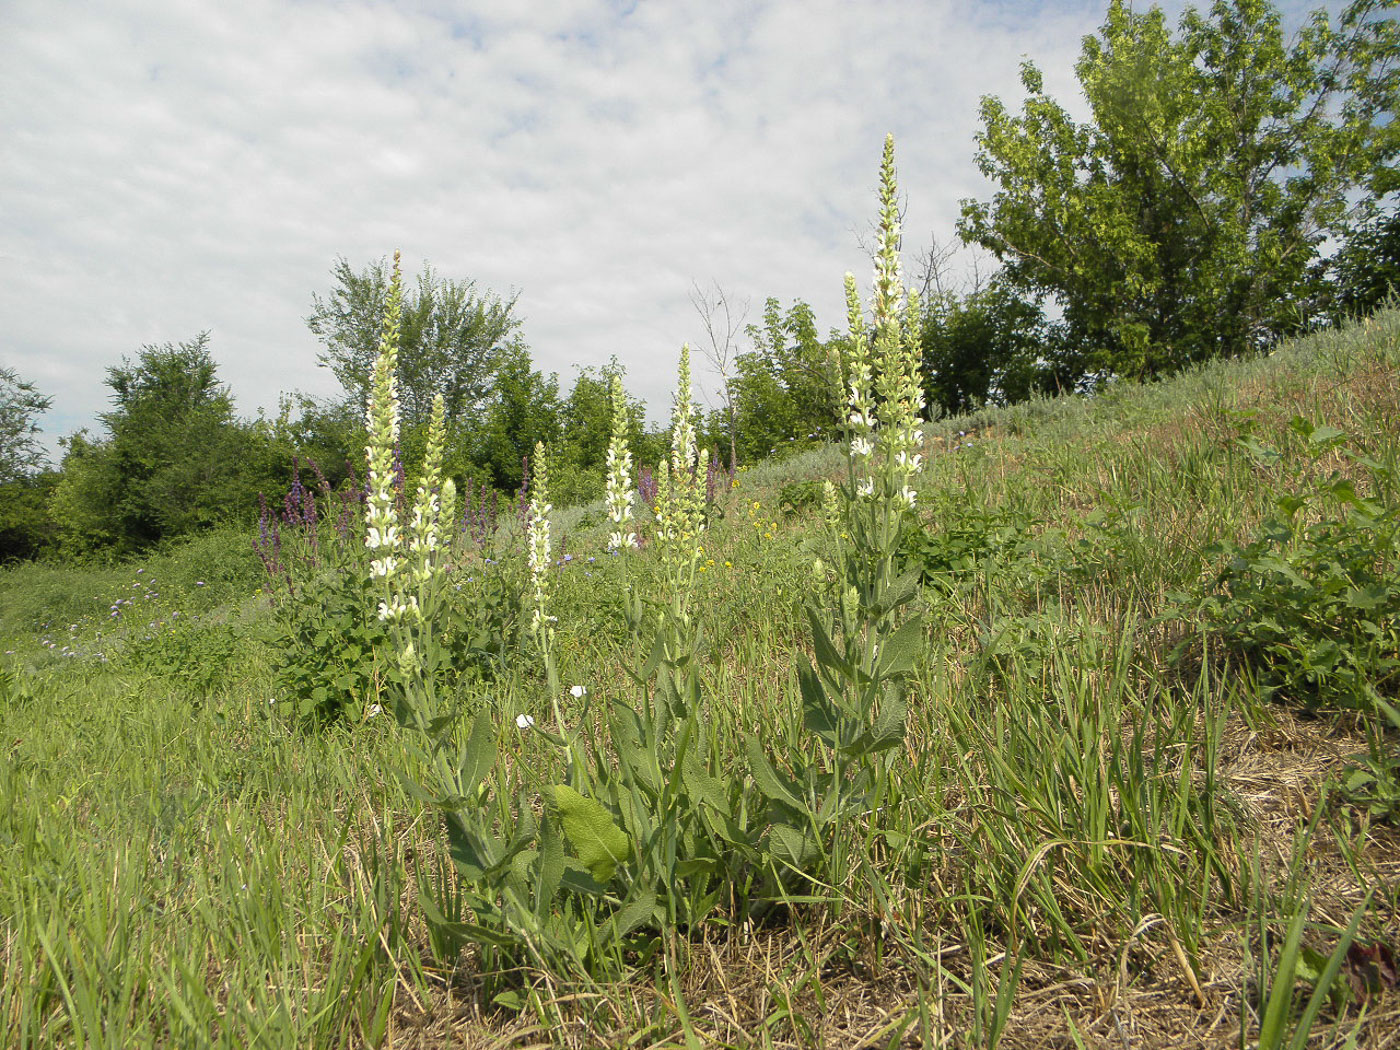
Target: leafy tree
<point x="452" y="339"/>
<point x="585" y="417"/>
<point x="20" y="403"/>
<point x="26" y="529"/>
<point x="173" y="460"/>
<point x="989" y="346"/>
<point x="786" y="385"/>
<point x="1183" y="220"/>
<point x="1368" y="266"/>
<point x="524" y="408"/>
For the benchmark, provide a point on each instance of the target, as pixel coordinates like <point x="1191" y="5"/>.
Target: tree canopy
<point x="452" y="338"/>
<point x="174" y="458"/>
<point x="1184" y="219"/>
<point x="20" y="405"/>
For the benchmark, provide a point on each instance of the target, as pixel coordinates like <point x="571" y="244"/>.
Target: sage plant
<point x="862" y="654"/>
<point x="408" y="562"/>
<point x="854" y="695"/>
<point x="885" y="403"/>
<point x="680" y="501"/>
<point x="620" y="486"/>
<point x="538" y="542"/>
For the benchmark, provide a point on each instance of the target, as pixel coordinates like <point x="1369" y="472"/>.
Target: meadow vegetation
<point x="1065" y="723"/>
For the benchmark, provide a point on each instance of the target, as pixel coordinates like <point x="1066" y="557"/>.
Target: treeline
<point x="173" y="457"/>
<point x="1231" y="186"/>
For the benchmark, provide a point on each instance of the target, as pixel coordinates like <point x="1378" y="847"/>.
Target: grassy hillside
<point x="1144" y="796"/>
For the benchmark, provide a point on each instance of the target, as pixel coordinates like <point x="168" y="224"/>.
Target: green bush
<point x="1311" y="605"/>
<point x="333" y="653"/>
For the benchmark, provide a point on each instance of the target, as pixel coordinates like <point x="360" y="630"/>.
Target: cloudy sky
<point x="174" y="166"/>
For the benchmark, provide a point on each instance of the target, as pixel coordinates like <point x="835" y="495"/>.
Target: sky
<point x="169" y="167"/>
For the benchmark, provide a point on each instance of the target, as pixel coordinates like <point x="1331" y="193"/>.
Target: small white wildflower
<point x="524" y="721"/>
<point x="388" y="537"/>
<point x="862" y="446"/>
<point x="578" y="692"/>
<point x="866" y="488"/>
<point x="910" y="496"/>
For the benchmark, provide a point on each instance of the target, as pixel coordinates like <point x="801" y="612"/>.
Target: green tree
<point x="20" y="404"/>
<point x="173" y="460"/>
<point x="989" y="346"/>
<point x="579" y="465"/>
<point x="524" y="408"/>
<point x="786" y="387"/>
<point x="1183" y="220"/>
<point x="26" y="528"/>
<point x="452" y="339"/>
<point x="1368" y="266"/>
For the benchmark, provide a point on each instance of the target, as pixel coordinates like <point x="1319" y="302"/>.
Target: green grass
<point x="1085" y="840"/>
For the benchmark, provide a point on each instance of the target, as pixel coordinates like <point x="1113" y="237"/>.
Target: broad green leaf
<point x="480" y="753"/>
<point x="819" y="714"/>
<point x="474" y="852"/>
<point x="551" y="865"/>
<point x="887" y="730"/>
<point x="766" y="777"/>
<point x="577" y="879"/>
<point x="642" y="909"/>
<point x="792" y="847"/>
<point x="825" y="649"/>
<point x="902" y="590"/>
<point x="900" y="649"/>
<point x="598" y="842"/>
<point x="701" y="786"/>
<point x="1374" y="596"/>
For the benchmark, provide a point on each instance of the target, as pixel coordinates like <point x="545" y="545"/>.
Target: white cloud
<point x="172" y="166"/>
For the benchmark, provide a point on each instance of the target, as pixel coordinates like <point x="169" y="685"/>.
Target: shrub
<point x="1311" y="605"/>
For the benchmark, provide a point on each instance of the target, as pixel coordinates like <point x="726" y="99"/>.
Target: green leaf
<point x="473" y="852"/>
<point x="642" y="909"/>
<point x="701" y="786"/>
<point x="1324" y="436"/>
<point x="577" y="879"/>
<point x="597" y="840"/>
<point x="826" y="652"/>
<point x="1373" y="596"/>
<point x="888" y="727"/>
<point x="551" y="865"/>
<point x="791" y="846"/>
<point x="898" y="653"/>
<point x="480" y="753"/>
<point x="767" y="779"/>
<point x="819" y="714"/>
<point x="902" y="590"/>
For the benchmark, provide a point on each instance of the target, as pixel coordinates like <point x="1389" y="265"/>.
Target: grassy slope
<point x="179" y="868"/>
